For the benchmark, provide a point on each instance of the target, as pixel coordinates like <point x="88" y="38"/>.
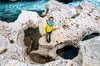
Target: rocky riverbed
<point x="21" y="43"/>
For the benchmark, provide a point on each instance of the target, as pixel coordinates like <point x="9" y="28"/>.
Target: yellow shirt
<point x="48" y="28"/>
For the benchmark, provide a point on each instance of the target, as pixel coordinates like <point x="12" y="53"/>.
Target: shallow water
<point x="9" y="11"/>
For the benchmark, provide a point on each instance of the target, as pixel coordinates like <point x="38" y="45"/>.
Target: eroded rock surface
<point x="91" y="52"/>
<point x="60" y="62"/>
<point x="73" y="25"/>
<point x="12" y="38"/>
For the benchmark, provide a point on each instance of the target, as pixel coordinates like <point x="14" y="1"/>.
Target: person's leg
<point x="47" y="36"/>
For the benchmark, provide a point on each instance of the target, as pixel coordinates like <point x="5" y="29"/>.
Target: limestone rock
<point x="90" y="50"/>
<point x="28" y="19"/>
<point x="12" y="37"/>
<point x="3" y="44"/>
<point x="57" y="37"/>
<point x="73" y="25"/>
<point x="60" y="62"/>
<point x="84" y="21"/>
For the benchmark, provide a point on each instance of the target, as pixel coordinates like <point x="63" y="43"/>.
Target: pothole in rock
<point x="40" y="59"/>
<point x="74" y="16"/>
<point x="31" y="39"/>
<point x="68" y="52"/>
<point x="90" y="36"/>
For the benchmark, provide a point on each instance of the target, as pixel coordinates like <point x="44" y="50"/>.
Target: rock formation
<point x="90" y="50"/>
<point x="12" y="37"/>
<point x="73" y="25"/>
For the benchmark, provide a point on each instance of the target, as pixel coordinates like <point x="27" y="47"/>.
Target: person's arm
<point x="55" y="28"/>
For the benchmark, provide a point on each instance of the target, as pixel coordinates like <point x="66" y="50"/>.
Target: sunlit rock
<point x="72" y="24"/>
<point x="90" y="50"/>
<point x="12" y="37"/>
<point x="60" y="62"/>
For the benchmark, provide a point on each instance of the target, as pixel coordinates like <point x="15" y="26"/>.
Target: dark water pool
<point x="68" y="52"/>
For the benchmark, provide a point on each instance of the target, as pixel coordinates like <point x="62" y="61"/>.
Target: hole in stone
<point x="12" y="41"/>
<point x="65" y="1"/>
<point x="68" y="52"/>
<point x="90" y="36"/>
<point x="65" y="27"/>
<point x="40" y="59"/>
<point x="31" y="39"/>
<point x="68" y="1"/>
<point x="74" y="16"/>
<point x="3" y="51"/>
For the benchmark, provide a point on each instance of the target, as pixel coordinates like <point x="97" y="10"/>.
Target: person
<point x="48" y="28"/>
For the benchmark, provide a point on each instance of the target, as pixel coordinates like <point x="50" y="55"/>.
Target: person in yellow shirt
<point x="48" y="28"/>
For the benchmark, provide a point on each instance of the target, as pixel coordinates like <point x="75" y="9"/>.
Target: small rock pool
<point x="68" y="52"/>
